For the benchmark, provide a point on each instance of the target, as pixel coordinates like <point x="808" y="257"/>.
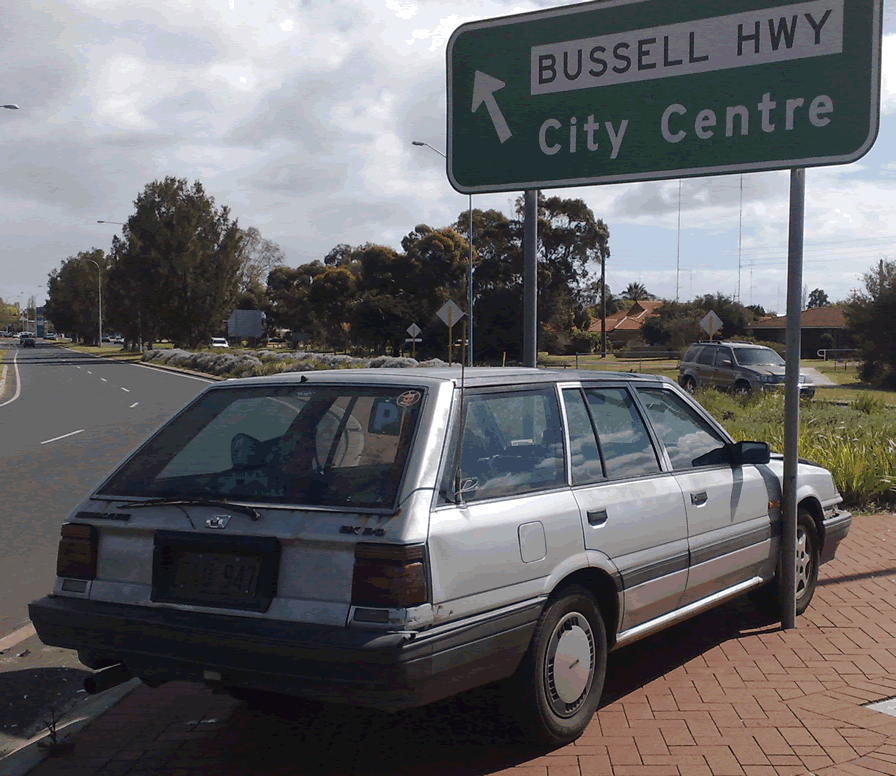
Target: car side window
<point x="707" y="356"/>
<point x="624" y="441"/>
<point x="584" y="453"/>
<point x="512" y="443"/>
<point x="689" y="439"/>
<point x="723" y="354"/>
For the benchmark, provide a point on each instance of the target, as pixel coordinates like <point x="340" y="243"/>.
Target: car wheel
<point x="807" y="553"/>
<point x="690" y="385"/>
<point x="742" y="388"/>
<point x="557" y="688"/>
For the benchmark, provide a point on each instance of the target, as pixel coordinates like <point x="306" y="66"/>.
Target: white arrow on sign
<point x="484" y="88"/>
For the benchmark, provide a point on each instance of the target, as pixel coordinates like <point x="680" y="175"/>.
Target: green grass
<point x="113" y="352"/>
<point x="856" y="442"/>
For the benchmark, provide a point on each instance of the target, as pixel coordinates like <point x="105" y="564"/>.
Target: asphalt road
<point x="66" y="419"/>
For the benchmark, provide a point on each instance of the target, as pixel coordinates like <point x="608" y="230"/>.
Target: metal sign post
<point x="792" y="397"/>
<point x="530" y="279"/>
<point x="449" y="313"/>
<point x="414" y="330"/>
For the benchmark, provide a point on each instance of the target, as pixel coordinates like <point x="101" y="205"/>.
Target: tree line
<point x="182" y="265"/>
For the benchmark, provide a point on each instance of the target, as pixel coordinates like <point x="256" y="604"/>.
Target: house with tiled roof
<point x="625" y="326"/>
<point x="814" y="324"/>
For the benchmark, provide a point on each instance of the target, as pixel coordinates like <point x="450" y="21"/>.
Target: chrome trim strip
<point x="679" y="615"/>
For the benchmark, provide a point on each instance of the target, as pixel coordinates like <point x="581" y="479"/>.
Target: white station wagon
<point x="391" y="537"/>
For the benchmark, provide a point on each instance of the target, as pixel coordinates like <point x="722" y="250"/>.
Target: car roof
<point x="735" y="344"/>
<point x="473" y="377"/>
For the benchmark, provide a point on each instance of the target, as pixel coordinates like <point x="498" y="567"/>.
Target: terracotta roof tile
<point x="816" y="318"/>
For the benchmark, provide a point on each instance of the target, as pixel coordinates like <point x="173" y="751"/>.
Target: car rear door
<point x="729" y="528"/>
<point x="507" y="518"/>
<point x="630" y="510"/>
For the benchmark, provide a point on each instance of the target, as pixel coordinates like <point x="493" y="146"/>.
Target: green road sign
<point x="629" y="90"/>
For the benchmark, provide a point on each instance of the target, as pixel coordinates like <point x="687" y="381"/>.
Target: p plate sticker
<point x="408" y="399"/>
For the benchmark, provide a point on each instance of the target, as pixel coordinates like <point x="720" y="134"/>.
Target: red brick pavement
<point x="725" y="694"/>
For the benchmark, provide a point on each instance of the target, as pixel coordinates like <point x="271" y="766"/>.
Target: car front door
<point x="631" y="511"/>
<point x="723" y="369"/>
<point x="729" y="528"/>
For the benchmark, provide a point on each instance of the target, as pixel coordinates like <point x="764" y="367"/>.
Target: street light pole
<point x="469" y="263"/>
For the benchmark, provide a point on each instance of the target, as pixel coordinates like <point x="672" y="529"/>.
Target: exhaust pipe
<point x="106" y="678"/>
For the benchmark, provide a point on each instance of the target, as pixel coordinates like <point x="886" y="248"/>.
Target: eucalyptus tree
<point x="73" y="294"/>
<point x="175" y="272"/>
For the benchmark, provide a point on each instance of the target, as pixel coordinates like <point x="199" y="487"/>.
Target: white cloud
<point x="402" y="10"/>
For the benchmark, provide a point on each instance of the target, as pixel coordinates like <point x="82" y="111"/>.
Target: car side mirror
<point x="744" y="453"/>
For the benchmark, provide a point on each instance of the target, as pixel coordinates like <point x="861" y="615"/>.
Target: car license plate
<point x="215" y="574"/>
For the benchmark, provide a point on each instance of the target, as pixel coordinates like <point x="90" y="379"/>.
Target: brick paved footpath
<point x="725" y="693"/>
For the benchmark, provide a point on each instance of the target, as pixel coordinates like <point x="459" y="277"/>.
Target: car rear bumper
<point x="377" y="669"/>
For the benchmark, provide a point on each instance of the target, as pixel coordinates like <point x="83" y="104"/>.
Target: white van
<point x="390" y="537"/>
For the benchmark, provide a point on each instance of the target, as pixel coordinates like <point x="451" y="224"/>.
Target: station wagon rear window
<point x="308" y="445"/>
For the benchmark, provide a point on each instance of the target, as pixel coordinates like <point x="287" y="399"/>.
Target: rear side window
<point x="584" y="454"/>
<point x="707" y="356"/>
<point x="512" y="443"/>
<point x="623" y="438"/>
<point x="691" y="355"/>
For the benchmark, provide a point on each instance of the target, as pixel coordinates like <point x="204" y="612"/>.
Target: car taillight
<point x="77" y="553"/>
<point x="389" y="575"/>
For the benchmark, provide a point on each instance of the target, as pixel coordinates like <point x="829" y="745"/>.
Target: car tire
<point x="766" y="598"/>
<point x="742" y="388"/>
<point x="689" y="384"/>
<point x="558" y="685"/>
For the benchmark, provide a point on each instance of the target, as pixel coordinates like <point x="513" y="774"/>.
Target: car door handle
<point x="698" y="498"/>
<point x="597" y="516"/>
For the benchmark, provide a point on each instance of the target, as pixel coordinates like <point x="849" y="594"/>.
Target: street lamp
<point x="11" y="106"/>
<point x="469" y="265"/>
<point x="112" y="222"/>
<point x="99" y="279"/>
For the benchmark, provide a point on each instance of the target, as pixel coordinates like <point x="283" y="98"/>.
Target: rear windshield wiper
<point x="196" y="501"/>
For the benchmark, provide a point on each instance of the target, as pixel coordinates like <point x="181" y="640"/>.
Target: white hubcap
<point x="803" y="561"/>
<point x="570" y="659"/>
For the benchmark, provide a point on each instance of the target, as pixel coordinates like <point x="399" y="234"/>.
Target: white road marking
<point x="16" y="637"/>
<point x="56" y="439"/>
<point x="104" y="379"/>
<point x="89" y="372"/>
<point x="134" y="404"/>
<point x="126" y="390"/>
<point x="15" y="363"/>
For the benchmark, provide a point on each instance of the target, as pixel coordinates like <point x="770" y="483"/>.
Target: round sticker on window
<point x="408" y="399"/>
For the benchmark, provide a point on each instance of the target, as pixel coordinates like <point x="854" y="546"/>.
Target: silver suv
<point x="390" y="537"/>
<point x="739" y="367"/>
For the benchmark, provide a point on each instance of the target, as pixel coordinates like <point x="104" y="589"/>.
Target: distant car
<point x="27" y="341"/>
<point x="118" y="339"/>
<point x="739" y="367"/>
<point x="50" y="335"/>
<point x="220" y="342"/>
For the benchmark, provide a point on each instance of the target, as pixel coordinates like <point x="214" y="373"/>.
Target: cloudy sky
<point x="299" y="116"/>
